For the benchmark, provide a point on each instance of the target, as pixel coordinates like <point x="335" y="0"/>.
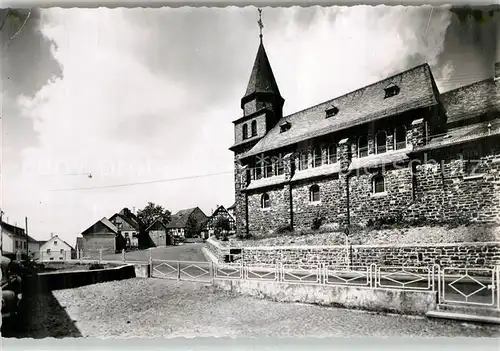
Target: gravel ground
<point x="417" y="235"/>
<point x="168" y="308"/>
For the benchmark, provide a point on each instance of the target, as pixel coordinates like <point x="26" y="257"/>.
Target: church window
<point x="362" y="146"/>
<point x="400" y="138"/>
<point x="332" y="154"/>
<point x="304" y="160"/>
<point x="391" y="90"/>
<point x="381" y="145"/>
<point x="314" y="193"/>
<point x="378" y="184"/>
<point x="279" y="165"/>
<point x="254" y="128"/>
<point x="245" y="131"/>
<point x="317" y="157"/>
<point x="264" y="201"/>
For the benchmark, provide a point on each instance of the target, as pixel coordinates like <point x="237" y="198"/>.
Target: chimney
<point x="51" y="235"/>
<point x="497" y="71"/>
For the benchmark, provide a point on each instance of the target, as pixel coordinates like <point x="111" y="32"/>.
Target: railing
<point x="182" y="270"/>
<point x="470" y="286"/>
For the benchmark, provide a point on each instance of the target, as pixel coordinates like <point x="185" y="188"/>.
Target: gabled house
<point x="14" y="240"/>
<point x="127" y="225"/>
<point x="187" y="223"/>
<point x="103" y="235"/>
<point x="209" y="227"/>
<point x="159" y="233"/>
<point x="55" y="249"/>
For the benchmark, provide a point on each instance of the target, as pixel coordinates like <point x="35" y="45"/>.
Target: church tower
<point x="262" y="107"/>
<point x="262" y="90"/>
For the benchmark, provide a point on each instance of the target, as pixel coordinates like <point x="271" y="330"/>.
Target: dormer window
<point x="285" y="126"/>
<point x="332" y="111"/>
<point x="391" y="90"/>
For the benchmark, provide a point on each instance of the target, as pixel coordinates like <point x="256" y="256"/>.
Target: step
<point x="463" y="317"/>
<point x="471" y="310"/>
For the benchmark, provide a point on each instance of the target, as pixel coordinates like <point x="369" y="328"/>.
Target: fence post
<point x="213" y="271"/>
<point x="150" y="263"/>
<point x="81" y="256"/>
<point x="178" y="271"/>
<point x="100" y="255"/>
<point x="123" y="255"/>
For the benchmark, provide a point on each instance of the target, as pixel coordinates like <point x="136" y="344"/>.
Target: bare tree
<point x="21" y="15"/>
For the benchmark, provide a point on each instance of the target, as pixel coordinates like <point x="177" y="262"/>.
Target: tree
<point x="151" y="213"/>
<point x="146" y="217"/>
<point x="191" y="228"/>
<point x="221" y="227"/>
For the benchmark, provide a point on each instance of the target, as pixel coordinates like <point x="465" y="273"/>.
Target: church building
<point x="398" y="147"/>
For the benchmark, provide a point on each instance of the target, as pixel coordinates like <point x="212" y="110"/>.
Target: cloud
<point x="149" y="94"/>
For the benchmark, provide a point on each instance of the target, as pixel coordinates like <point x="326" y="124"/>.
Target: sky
<point x="144" y="95"/>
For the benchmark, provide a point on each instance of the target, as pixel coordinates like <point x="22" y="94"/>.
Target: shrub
<point x="317" y="222"/>
<point x="93" y="266"/>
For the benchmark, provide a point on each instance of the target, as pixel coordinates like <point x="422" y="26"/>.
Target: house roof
<point x="12" y="229"/>
<point x="106" y="222"/>
<point x="157" y="221"/>
<point x="130" y="215"/>
<point x="179" y="220"/>
<point x="472" y="100"/>
<point x="358" y="107"/>
<point x="57" y="237"/>
<point x="129" y="220"/>
<point x="233" y="206"/>
<point x="262" y="78"/>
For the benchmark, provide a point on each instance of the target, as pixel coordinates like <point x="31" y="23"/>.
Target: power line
<point x="145" y="182"/>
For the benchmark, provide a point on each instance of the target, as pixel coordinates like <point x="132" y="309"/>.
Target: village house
<point x="55" y="249"/>
<point x="102" y="235"/>
<point x="231" y="209"/>
<point x="14" y="240"/>
<point x="128" y="226"/>
<point x="186" y="223"/>
<point x="158" y="232"/>
<point x="210" y="225"/>
<point x="397" y="147"/>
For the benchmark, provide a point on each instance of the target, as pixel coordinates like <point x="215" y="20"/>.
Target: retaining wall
<point x="473" y="255"/>
<point x="371" y="299"/>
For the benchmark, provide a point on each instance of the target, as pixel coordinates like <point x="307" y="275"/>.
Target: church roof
<point x="416" y="90"/>
<point x="262" y="78"/>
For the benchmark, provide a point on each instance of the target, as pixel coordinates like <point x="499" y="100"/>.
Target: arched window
<point x="314" y="193"/>
<point x="264" y="201"/>
<point x="254" y="128"/>
<point x="381" y="145"/>
<point x="400" y="137"/>
<point x="378" y="184"/>
<point x="304" y="160"/>
<point x="245" y="131"/>
<point x="332" y="154"/>
<point x="362" y="146"/>
<point x="317" y="161"/>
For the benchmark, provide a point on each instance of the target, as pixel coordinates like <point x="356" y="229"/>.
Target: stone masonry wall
<point x="472" y="255"/>
<point x="263" y="221"/>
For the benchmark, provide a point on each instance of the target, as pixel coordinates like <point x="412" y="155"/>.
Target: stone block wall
<point x="262" y="221"/>
<point x="472" y="255"/>
<point x="329" y="207"/>
<point x="217" y="249"/>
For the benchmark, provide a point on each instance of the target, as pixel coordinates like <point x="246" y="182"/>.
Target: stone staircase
<point x="478" y="314"/>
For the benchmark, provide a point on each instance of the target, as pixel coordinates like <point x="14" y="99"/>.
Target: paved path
<point x="186" y="252"/>
<point x="161" y="307"/>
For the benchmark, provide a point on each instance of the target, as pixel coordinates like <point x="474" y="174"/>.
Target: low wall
<point x="473" y="255"/>
<point x="74" y="279"/>
<point x="371" y="299"/>
<point x="217" y="249"/>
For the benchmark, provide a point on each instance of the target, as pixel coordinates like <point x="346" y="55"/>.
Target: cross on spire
<point x="259" y="22"/>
